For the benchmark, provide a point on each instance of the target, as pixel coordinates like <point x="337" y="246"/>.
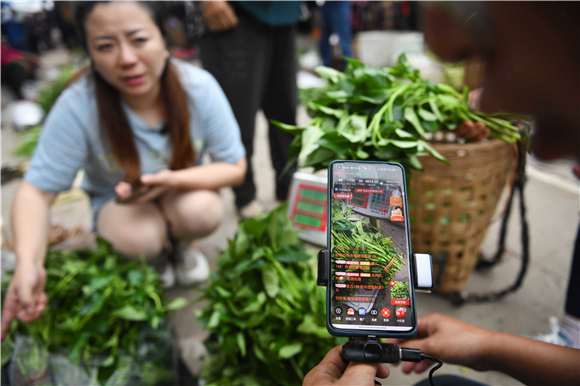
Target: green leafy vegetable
<point x="383" y="114"/>
<point x="49" y="95"/>
<point x="101" y="305"/>
<point x="272" y="329"/>
<point x="368" y="239"/>
<point x="400" y="290"/>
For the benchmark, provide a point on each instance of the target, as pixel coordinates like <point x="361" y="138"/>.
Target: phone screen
<point x="370" y="273"/>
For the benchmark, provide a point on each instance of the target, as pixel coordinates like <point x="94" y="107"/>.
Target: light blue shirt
<point x="71" y="138"/>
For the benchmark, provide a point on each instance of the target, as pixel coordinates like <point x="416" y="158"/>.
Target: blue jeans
<point x="336" y="16"/>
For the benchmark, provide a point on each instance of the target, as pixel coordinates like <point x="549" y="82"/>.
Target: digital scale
<point x="377" y="205"/>
<point x="308" y="207"/>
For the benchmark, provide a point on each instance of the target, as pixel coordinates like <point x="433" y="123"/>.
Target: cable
<point x="373" y="351"/>
<point x="415" y="355"/>
<point x="437" y="367"/>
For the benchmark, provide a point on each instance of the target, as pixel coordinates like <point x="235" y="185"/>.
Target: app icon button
<point x="350" y="311"/>
<point x="362" y="311"/>
<point x="374" y="312"/>
<point x="400" y="312"/>
<point x="385" y="312"/>
<point x="338" y="310"/>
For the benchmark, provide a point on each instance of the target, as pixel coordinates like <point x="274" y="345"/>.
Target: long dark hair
<point x="114" y="122"/>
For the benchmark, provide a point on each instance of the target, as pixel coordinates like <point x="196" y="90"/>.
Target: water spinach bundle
<point x="264" y="312"/>
<point x="382" y="114"/>
<point x="366" y="239"/>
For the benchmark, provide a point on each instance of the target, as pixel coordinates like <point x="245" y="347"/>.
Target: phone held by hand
<point x="371" y="288"/>
<point x="137" y="190"/>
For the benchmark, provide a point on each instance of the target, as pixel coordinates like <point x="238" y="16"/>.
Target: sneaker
<point x="167" y="276"/>
<point x="557" y="336"/>
<point x="251" y="210"/>
<point x="192" y="267"/>
<point x="164" y="268"/>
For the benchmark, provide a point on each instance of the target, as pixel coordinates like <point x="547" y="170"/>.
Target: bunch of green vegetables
<point x="29" y="141"/>
<point x="264" y="311"/>
<point x="101" y="306"/>
<point x="341" y="220"/>
<point x="368" y="239"/>
<point x="400" y="290"/>
<point x="48" y="95"/>
<point x="369" y="113"/>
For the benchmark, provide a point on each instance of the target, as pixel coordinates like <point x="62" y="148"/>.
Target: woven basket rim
<point x="484" y="145"/>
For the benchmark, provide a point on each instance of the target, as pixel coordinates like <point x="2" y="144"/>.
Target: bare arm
<point x="210" y="177"/>
<point x="530" y="361"/>
<point x="533" y="362"/>
<point x="30" y="222"/>
<point x="25" y="297"/>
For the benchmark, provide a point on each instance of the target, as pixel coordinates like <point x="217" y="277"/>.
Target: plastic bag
<point x="156" y="361"/>
<point x="29" y="365"/>
<point x="65" y="372"/>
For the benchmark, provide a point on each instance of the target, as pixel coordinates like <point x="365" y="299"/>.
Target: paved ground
<point x="552" y="198"/>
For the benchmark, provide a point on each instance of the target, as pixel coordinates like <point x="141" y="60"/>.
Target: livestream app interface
<point x="370" y="273"/>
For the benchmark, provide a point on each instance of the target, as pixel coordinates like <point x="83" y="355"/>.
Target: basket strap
<point x="462" y="297"/>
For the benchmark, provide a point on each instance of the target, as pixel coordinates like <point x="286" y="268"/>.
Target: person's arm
<point x="219" y="15"/>
<point x="61" y="151"/>
<point x="25" y="297"/>
<point x="208" y="177"/>
<point x="30" y="220"/>
<point x="531" y="362"/>
<point x="214" y="176"/>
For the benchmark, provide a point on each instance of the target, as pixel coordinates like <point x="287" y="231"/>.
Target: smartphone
<point x="137" y="190"/>
<point x="371" y="288"/>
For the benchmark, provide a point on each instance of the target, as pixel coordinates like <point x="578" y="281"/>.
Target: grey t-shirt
<point x="72" y="139"/>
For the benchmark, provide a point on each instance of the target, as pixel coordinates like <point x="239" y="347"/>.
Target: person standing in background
<point x="336" y="17"/>
<point x="251" y="50"/>
<point x="17" y="67"/>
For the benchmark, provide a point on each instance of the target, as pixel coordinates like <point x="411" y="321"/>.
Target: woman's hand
<point x="155" y="184"/>
<point x="334" y="371"/>
<point x="219" y="16"/>
<point x="450" y="340"/>
<point x="25" y="297"/>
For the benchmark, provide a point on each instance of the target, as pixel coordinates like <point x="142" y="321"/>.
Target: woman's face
<point x="126" y="47"/>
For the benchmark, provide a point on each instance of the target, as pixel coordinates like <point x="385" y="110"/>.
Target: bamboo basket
<point x="450" y="207"/>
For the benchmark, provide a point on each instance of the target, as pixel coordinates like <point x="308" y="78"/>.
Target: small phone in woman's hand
<point x="137" y="190"/>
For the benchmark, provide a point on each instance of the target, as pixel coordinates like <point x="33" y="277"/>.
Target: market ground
<point x="552" y="198"/>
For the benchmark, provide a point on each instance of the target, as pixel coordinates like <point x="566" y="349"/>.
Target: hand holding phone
<point x="128" y="193"/>
<point x="333" y="370"/>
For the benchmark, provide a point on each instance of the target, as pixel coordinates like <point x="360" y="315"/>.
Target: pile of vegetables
<point x="400" y="290"/>
<point x="368" y="239"/>
<point x="49" y="95"/>
<point x="355" y="234"/>
<point x="28" y="142"/>
<point x="102" y="308"/>
<point x="264" y="312"/>
<point x="382" y="114"/>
